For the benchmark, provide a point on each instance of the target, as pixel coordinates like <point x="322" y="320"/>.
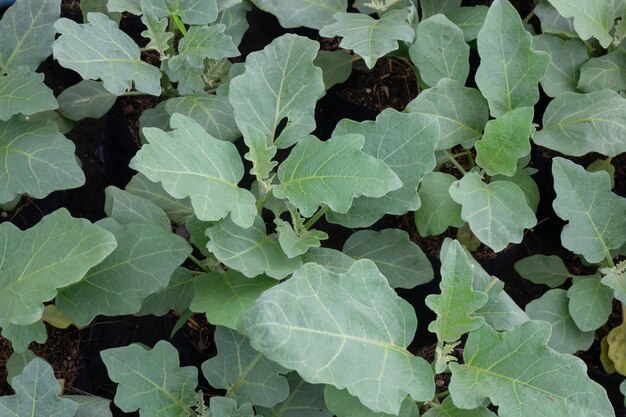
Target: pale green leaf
<point x="590" y="302"/>
<point x="368" y="37"/>
<point x="176" y="296"/>
<point x="566" y="58"/>
<point x="36" y="159"/>
<point x="331" y="259"/>
<point x="100" y="6"/>
<point x="433" y="7"/>
<point x="192" y="12"/>
<point x="603" y="165"/>
<point x="55" y="253"/>
<point x="235" y="20"/>
<point x="17" y="362"/>
<point x="317" y="324"/>
<point x="100" y="50"/>
<point x="576" y="124"/>
<point x="522" y="178"/>
<point x="460" y="112"/>
<point x="91" y="406"/>
<point x="542" y="269"/>
<point x="342" y="404"/>
<point x="203" y="42"/>
<point x="336" y="66"/>
<point x="616" y="279"/>
<point x="332" y="173"/>
<point x="21" y="336"/>
<point x="552" y="21"/>
<point x="506" y="140"/>
<point x="294" y="13"/>
<point x="245" y="374"/>
<point x="565" y="337"/>
<point x="510" y="70"/>
<point x="438" y="211"/>
<point x="591" y="19"/>
<point x="178" y="210"/>
<point x="127" y="208"/>
<point x="227" y="407"/>
<point x="189" y="162"/>
<point x="448" y="409"/>
<point x="141" y="265"/>
<point x="497" y="213"/>
<point x="290" y="87"/>
<point x="224" y="297"/>
<point x="469" y="19"/>
<point x="156" y="31"/>
<point x="37" y="394"/>
<point x="607" y="71"/>
<point x="401" y="261"/>
<point x="523" y="377"/>
<point x="250" y="251"/>
<point x="26" y="31"/>
<point x="295" y="243"/>
<point x="24" y="92"/>
<point x="594" y="214"/>
<point x="304" y="400"/>
<point x="151" y="380"/>
<point x="189" y="79"/>
<point x="87" y="99"/>
<point x="120" y="6"/>
<point x="406" y="143"/>
<point x="457" y="304"/>
<point x="440" y="51"/>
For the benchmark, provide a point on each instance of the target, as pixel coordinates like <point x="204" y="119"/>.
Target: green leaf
<point x="448" y="409"/>
<point x="189" y="162"/>
<point x="191" y="12"/>
<point x="606" y="71"/>
<point x="438" y="211"/>
<point x="541" y="269"/>
<point x="244" y="373"/>
<point x="318" y="325"/>
<point x="156" y="31"/>
<point x="100" y="6"/>
<point x="55" y="253"/>
<point x="594" y="214"/>
<point x="591" y="19"/>
<point x="497" y="213"/>
<point x="368" y="37"/>
<point x="433" y="7"/>
<point x="469" y="19"/>
<point x="176" y="296"/>
<point x="339" y="164"/>
<point x="224" y="297"/>
<point x="523" y="377"/>
<point x="565" y="337"/>
<point x="24" y="92"/>
<point x="151" y="380"/>
<point x="460" y="112"/>
<point x="590" y="302"/>
<point x="178" y="210"/>
<point x="456" y="305"/>
<point x="189" y="79"/>
<point x="227" y="407"/>
<point x="295" y="243"/>
<point x="566" y="58"/>
<point x="90" y="406"/>
<point x="576" y="124"/>
<point x="342" y="404"/>
<point x="250" y="251"/>
<point x="401" y="261"/>
<point x="87" y="99"/>
<point x="440" y="51"/>
<point x="603" y="165"/>
<point x="17" y="362"/>
<point x="26" y="31"/>
<point x="510" y="69"/>
<point x="235" y="20"/>
<point x="406" y="143"/>
<point x="21" y="336"/>
<point x="36" y="159"/>
<point x="336" y="66"/>
<point x="294" y="13"/>
<point x="37" y="394"/>
<point x="291" y="87"/>
<point x="304" y="400"/>
<point x="213" y="113"/>
<point x="204" y="42"/>
<point x="505" y="141"/>
<point x="614" y="278"/>
<point x="331" y="259"/>
<point x="120" y="6"/>
<point x="127" y="208"/>
<point x="552" y="22"/>
<point x="141" y="265"/>
<point x="100" y="50"/>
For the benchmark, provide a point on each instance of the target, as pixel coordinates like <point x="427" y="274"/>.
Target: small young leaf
<point x="440" y="51"/>
<point x="294" y="13"/>
<point x="615" y="279"/>
<point x="510" y="69"/>
<point x="591" y="302"/>
<point x="151" y="380"/>
<point x="606" y="71"/>
<point x="244" y="373"/>
<point x="87" y="99"/>
<point x="438" y="211"/>
<point x="565" y="337"/>
<point x="448" y="409"/>
<point x="566" y="58"/>
<point x="541" y="269"/>
<point x="304" y="400"/>
<point x="189" y="79"/>
<point x="369" y="37"/>
<point x="342" y="404"/>
<point x="24" y="92"/>
<point x="127" y="208"/>
<point x="295" y="243"/>
<point x="203" y="42"/>
<point x="519" y="373"/>
<point x="156" y="31"/>
<point x="591" y="19"/>
<point x="506" y="140"/>
<point x="595" y="215"/>
<point x="318" y="325"/>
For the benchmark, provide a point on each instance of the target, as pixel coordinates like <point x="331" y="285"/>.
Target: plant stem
<point x="198" y="263"/>
<point x="455" y="162"/>
<point x="261" y="201"/>
<point x="180" y="25"/>
<point x="443" y="394"/>
<point x="530" y="16"/>
<point x="318" y="215"/>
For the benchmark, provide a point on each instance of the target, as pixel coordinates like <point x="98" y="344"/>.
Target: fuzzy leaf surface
<point x="438" y="211"/>
<point x="189" y="162"/>
<point x="227" y="407"/>
<point x="591" y="19"/>
<point x="523" y="377"/>
<point x="590" y="302"/>
<point x="100" y="50"/>
<point x="178" y="210"/>
<point x="293" y="13"/>
<point x="566" y="58"/>
<point x="510" y="70"/>
<point x="316" y="315"/>
<point x="594" y="214"/>
<point x="21" y="336"/>
<point x="295" y="243"/>
<point x="24" y="92"/>
<point x="87" y="99"/>
<point x="469" y="19"/>
<point x="336" y="66"/>
<point x="370" y="38"/>
<point x="156" y="31"/>
<point x="607" y="71"/>
<point x="127" y="208"/>
<point x="213" y="113"/>
<point x="542" y="269"/>
<point x="332" y="173"/>
<point x="576" y="124"/>
<point x="204" y="42"/>
<point x="192" y="12"/>
<point x="176" y="296"/>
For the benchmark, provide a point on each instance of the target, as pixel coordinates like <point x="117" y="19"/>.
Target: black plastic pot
<point x="30" y="211"/>
<point x="334" y="107"/>
<point x="118" y="147"/>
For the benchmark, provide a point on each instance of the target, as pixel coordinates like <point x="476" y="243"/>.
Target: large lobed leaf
<point x="317" y="324"/>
